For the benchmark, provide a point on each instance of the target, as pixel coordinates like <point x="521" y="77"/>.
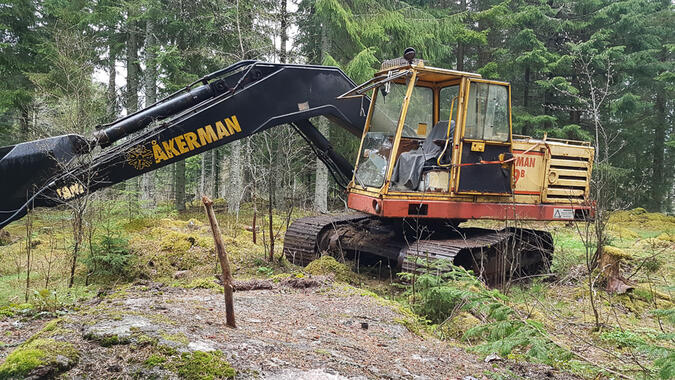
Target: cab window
<point x="487" y="116"/>
<point x="419" y="118"/>
<point x="446" y="96"/>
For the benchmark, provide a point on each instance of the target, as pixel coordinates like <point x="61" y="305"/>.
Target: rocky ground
<point x="330" y="331"/>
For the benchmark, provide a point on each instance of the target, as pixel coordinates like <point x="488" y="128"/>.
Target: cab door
<point x="485" y="139"/>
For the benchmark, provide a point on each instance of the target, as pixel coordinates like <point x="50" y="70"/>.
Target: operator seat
<point x="410" y="165"/>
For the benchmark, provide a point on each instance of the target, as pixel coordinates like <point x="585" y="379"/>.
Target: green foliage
<point x="667" y="314"/>
<point x="666" y="365"/>
<point x="658" y="347"/>
<point x="110" y="257"/>
<point x="500" y="328"/>
<point x="267" y="271"/>
<point x="623" y="338"/>
<point x="46" y="300"/>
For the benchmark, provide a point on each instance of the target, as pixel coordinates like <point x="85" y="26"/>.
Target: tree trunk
<point x="112" y="79"/>
<point x="526" y="97"/>
<point x="460" y="45"/>
<point x="321" y="182"/>
<point x="24" y="122"/>
<point x="202" y="175"/>
<point x="270" y="195"/>
<point x="150" y="78"/>
<point x="133" y="69"/>
<point x="658" y="183"/>
<point x="179" y="181"/>
<point x="29" y="247"/>
<point x="321" y="178"/>
<point x="133" y="80"/>
<point x="234" y="188"/>
<point x="214" y="173"/>
<point x="283" y="57"/>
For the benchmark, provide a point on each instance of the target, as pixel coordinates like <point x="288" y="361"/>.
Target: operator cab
<point x="433" y="131"/>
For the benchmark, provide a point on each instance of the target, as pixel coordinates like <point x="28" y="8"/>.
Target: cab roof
<point x="425" y="73"/>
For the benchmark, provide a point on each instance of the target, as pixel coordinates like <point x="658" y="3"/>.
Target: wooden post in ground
<point x="224" y="263"/>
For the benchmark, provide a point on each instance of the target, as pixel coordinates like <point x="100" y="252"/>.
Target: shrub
<point x="110" y="257"/>
<point x="46" y="300"/>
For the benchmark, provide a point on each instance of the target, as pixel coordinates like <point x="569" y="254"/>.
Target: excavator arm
<point x="238" y="101"/>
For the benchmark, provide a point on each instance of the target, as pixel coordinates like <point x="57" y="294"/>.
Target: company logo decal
<point x="139" y="157"/>
<point x="70" y="191"/>
<point x="189" y="141"/>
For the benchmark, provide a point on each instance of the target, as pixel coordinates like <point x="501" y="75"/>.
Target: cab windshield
<point x="379" y="140"/>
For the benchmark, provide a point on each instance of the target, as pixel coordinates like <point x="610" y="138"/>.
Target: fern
<point x="501" y="331"/>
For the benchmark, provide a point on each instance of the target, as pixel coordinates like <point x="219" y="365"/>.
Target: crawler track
<point x="495" y="255"/>
<point x="423" y="255"/>
<point x="302" y="237"/>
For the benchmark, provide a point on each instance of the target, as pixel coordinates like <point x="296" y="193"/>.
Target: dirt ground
<point x="328" y="332"/>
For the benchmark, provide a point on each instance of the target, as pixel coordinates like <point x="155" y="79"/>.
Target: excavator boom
<point x="236" y="102"/>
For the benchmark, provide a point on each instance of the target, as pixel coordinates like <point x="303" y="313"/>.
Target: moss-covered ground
<point x="45" y="357"/>
<point x="636" y="328"/>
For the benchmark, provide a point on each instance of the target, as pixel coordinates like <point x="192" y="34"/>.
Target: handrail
<point x="447" y="136"/>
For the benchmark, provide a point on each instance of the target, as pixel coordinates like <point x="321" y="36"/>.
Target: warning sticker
<point x="563" y="213"/>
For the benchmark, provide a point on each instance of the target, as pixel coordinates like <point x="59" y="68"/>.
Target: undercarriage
<point x="421" y="245"/>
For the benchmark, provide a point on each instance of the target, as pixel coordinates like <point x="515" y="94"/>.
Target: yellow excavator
<point x="436" y="150"/>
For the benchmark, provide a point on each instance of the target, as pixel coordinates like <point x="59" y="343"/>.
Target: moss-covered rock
<point x="459" y="325"/>
<point x="42" y="358"/>
<point x="5" y="238"/>
<point x="327" y="265"/>
<point x="622" y="232"/>
<point x="667" y="237"/>
<point x="197" y="365"/>
<point x="617" y="253"/>
<point x="51" y="329"/>
<point x="203" y="283"/>
<point x="204" y="365"/>
<point x="640" y="217"/>
<point x="154" y="360"/>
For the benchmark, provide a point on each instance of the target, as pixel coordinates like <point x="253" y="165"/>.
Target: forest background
<point x="67" y="66"/>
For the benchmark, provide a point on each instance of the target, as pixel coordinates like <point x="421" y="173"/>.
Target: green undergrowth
<point x="525" y="324"/>
<point x="130" y="242"/>
<point x="461" y="307"/>
<point x="54" y="300"/>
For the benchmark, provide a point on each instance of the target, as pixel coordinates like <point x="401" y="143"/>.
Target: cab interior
<point x="435" y="131"/>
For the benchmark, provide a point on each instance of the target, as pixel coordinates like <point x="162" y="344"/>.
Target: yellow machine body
<point x="482" y="168"/>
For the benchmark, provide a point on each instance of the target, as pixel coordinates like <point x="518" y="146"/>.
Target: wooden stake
<point x="224" y="263"/>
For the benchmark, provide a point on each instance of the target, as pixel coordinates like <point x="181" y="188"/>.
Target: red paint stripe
<point x="398" y="208"/>
<point x="532" y="153"/>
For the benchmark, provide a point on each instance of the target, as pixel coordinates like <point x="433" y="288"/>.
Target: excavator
<point x="436" y="150"/>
